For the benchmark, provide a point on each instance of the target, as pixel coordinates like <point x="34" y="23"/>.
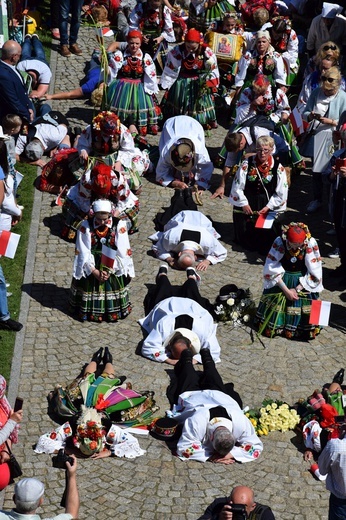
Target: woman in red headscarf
<point x="100" y="182"/>
<point x="8" y="433"/>
<point x="190" y="75"/>
<point x="292" y="278"/>
<point x="131" y="93"/>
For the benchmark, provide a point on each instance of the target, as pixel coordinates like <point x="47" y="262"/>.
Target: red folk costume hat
<point x="101" y="179"/>
<point x="193" y="35"/>
<point x="296" y="235"/>
<point x="134" y="34"/>
<point x="295" y="232"/>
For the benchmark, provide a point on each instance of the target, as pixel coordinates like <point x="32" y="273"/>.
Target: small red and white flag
<point x="8" y="243"/>
<point x="320" y="312"/>
<point x="59" y="201"/>
<point x="108" y="257"/>
<point x="104" y="31"/>
<point x="297" y="122"/>
<point x="266" y="221"/>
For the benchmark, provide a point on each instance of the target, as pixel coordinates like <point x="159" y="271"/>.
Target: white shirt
<point x="174" y="129"/>
<point x="49" y="135"/>
<point x="193" y="411"/>
<point x="42" y="69"/>
<point x="332" y="460"/>
<point x="160" y="323"/>
<point x="170" y="238"/>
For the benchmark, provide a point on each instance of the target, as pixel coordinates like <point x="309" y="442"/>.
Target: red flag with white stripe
<point x="320" y="312"/>
<point x="8" y="243"/>
<point x="265" y="221"/>
<point x="108" y="257"/>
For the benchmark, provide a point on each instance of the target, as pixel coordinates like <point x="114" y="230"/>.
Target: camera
<point x="317" y="117"/>
<point x="59" y="461"/>
<point x="238" y="510"/>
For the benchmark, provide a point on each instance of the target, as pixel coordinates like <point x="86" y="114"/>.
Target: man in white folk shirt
<point x="189" y="237"/>
<point x="178" y="319"/>
<point x="184" y="159"/>
<point x="214" y="427"/>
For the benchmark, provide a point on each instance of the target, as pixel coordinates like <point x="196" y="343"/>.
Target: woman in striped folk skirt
<point x="191" y="75"/>
<point x="103" y="268"/>
<point x="292" y="280"/>
<point x="131" y="93"/>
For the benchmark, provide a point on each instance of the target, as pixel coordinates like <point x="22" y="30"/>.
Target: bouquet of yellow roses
<point x="273" y="416"/>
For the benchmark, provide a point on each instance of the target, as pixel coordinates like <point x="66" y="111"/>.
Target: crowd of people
<point x="269" y="66"/>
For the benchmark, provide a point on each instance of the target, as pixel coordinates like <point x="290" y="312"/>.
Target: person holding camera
<point x="28" y="497"/>
<point x="240" y="505"/>
<point x="323" y="110"/>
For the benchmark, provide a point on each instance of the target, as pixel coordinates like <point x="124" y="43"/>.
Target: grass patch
<point x="14" y="269"/>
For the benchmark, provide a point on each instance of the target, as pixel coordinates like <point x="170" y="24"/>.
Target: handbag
<point x="60" y="404"/>
<point x="15" y="469"/>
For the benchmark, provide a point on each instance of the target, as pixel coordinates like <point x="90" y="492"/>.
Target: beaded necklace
<point x="190" y="61"/>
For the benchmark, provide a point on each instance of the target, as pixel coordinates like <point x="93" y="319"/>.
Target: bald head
<point x="11" y="52"/>
<point x="186" y="258"/>
<point x="244" y="495"/>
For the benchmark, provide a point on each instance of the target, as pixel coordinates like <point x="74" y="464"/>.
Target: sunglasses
<point x="330" y="80"/>
<point x="329" y="47"/>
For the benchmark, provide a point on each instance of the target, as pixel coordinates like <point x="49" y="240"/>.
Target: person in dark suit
<point x="14" y="96"/>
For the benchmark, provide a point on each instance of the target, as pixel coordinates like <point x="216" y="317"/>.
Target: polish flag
<point x="265" y="221"/>
<point x="297" y="122"/>
<point x="108" y="257"/>
<point x="320" y="312"/>
<point x="8" y="243"/>
<point x="104" y="31"/>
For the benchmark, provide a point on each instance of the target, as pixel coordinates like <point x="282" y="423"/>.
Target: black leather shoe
<point x="107" y="357"/>
<point x="10" y="324"/>
<point x="97" y="357"/>
<point x="206" y="356"/>
<point x="339" y="376"/>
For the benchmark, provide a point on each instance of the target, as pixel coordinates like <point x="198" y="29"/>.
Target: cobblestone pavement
<point x="54" y="347"/>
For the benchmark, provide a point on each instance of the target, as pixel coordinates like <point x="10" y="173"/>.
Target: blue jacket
<point x="14" y="96"/>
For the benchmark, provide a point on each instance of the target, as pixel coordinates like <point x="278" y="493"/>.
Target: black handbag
<point x="15" y="469"/>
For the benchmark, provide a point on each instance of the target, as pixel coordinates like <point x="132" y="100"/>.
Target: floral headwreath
<point x="301" y="225"/>
<point x="286" y="20"/>
<point x="107" y="122"/>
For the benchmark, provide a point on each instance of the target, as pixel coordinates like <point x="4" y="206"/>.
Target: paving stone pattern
<point x="55" y="347"/>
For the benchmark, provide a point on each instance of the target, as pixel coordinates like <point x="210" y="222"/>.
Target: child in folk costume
<point x="108" y="140"/>
<point x="153" y="19"/>
<point x="102" y="181"/>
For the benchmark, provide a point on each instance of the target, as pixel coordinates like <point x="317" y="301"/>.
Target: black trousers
<point x="189" y="379"/>
<point x="189" y="289"/>
<point x="181" y="200"/>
